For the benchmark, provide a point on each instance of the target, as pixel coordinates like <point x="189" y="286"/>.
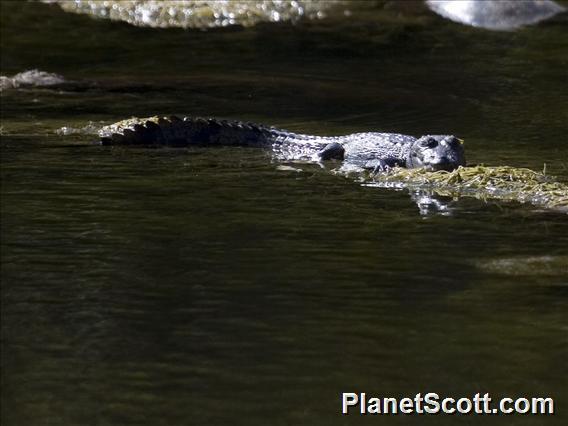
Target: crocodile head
<point x="436" y="152"/>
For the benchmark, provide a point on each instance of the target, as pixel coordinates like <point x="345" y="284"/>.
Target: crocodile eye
<point x="429" y="143"/>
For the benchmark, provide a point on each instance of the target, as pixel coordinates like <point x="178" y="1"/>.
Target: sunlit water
<point x="210" y="286"/>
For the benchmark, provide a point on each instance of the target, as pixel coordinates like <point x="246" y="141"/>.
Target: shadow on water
<point x="209" y="287"/>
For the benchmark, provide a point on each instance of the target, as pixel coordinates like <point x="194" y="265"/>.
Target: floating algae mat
<point x="482" y="182"/>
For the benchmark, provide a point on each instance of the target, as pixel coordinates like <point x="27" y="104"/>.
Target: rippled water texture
<point x="214" y="286"/>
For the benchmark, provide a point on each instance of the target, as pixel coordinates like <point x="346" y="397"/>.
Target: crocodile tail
<point x="184" y="132"/>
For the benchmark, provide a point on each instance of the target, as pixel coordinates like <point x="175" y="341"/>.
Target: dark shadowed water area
<point x="212" y="287"/>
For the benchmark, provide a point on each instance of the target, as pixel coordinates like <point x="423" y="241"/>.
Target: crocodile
<point x="374" y="151"/>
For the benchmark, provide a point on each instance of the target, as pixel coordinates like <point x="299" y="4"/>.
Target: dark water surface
<point x="206" y="286"/>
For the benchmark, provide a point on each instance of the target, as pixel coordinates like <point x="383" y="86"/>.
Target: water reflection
<point x="429" y="203"/>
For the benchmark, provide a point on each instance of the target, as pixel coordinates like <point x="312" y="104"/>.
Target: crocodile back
<point x="361" y="149"/>
<point x="174" y="131"/>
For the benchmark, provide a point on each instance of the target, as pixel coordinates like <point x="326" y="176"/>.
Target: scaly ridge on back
<point x="175" y="131"/>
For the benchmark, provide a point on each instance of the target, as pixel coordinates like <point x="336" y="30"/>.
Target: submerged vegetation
<point x="503" y="183"/>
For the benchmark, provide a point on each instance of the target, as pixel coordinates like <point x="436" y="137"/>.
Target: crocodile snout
<point x="442" y="163"/>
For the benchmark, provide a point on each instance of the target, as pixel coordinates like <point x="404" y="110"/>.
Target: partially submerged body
<point x="373" y="151"/>
<point x="416" y="158"/>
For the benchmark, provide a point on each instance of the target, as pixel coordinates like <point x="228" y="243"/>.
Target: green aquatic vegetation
<point x="483" y="182"/>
